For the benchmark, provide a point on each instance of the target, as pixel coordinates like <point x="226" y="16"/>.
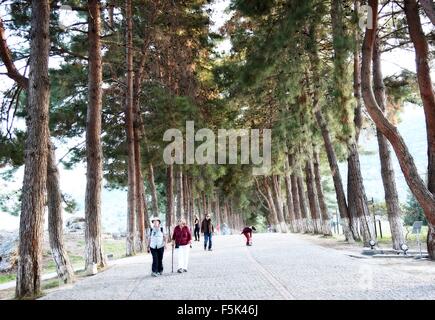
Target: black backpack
<point x="161" y="229"/>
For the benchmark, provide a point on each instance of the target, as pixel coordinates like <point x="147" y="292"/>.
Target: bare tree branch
<point x="429" y="9"/>
<point x="6" y="56"/>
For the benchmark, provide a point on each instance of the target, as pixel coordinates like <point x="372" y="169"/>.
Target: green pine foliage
<point x="412" y="211"/>
<point x="268" y="80"/>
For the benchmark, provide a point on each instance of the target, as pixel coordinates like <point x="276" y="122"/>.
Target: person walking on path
<point x="196" y="228"/>
<point x="207" y="229"/>
<point x="247" y="232"/>
<point x="156" y="245"/>
<point x="182" y="241"/>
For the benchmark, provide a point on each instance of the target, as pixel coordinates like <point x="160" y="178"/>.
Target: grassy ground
<point x="6" y="277"/>
<point x="411" y="239"/>
<point x="75" y="248"/>
<point x="386" y="242"/>
<point x="114" y="247"/>
<point x="45" y="286"/>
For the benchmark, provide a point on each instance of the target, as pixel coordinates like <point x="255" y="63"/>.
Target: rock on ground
<point x="8" y="251"/>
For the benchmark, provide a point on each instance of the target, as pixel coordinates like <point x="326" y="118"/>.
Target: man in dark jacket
<point x="207" y="229"/>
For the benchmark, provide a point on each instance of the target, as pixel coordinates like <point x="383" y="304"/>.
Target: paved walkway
<point x="277" y="266"/>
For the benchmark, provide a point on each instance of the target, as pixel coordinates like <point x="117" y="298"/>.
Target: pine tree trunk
<point x="273" y="210"/>
<point x="431" y="240"/>
<point x="289" y="203"/>
<point x="427" y="96"/>
<point x="429" y="9"/>
<point x="186" y="201"/>
<point x="129" y="128"/>
<point x="142" y="219"/>
<point x="303" y="205"/>
<point x="276" y="183"/>
<point x="179" y="186"/>
<point x="110" y="11"/>
<point x="218" y="211"/>
<point x="320" y="118"/>
<point x="141" y="206"/>
<point x="192" y="200"/>
<point x="36" y="152"/>
<point x="290" y="212"/>
<point x="230" y="217"/>
<point x="94" y="172"/>
<point x="64" y="268"/>
<point x="387" y="170"/>
<point x="391" y="196"/>
<point x="365" y="222"/>
<point x="352" y="194"/>
<point x="426" y="92"/>
<point x="225" y="213"/>
<point x="209" y="205"/>
<point x="286" y="215"/>
<point x="199" y="206"/>
<point x="169" y="198"/>
<point x="154" y="198"/>
<point x="233" y="217"/>
<point x="213" y="208"/>
<point x="415" y="182"/>
<point x="296" y="203"/>
<point x="204" y="204"/>
<point x="336" y="176"/>
<point x="326" y="226"/>
<point x="312" y="197"/>
<point x="424" y="82"/>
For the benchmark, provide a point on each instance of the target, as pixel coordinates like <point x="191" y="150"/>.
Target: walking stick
<point x="172" y="245"/>
<point x="172" y="258"/>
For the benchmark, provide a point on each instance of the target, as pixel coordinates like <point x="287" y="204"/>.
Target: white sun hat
<point x="155" y="218"/>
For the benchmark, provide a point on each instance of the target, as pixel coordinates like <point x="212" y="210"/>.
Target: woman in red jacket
<point x="182" y="240"/>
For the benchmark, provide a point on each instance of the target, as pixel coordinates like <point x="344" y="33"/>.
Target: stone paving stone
<point x="284" y="266"/>
<point x="315" y="272"/>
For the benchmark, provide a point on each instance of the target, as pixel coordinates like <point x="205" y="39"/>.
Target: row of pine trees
<point x="132" y="69"/>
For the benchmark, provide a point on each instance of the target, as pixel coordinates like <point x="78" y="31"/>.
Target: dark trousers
<point x="248" y="238"/>
<point x="196" y="232"/>
<point x="207" y="238"/>
<point x="157" y="259"/>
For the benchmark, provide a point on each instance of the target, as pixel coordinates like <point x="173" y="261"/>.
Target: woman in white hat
<point x="156" y="244"/>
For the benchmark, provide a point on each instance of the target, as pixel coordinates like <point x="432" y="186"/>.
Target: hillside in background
<point x="412" y="128"/>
